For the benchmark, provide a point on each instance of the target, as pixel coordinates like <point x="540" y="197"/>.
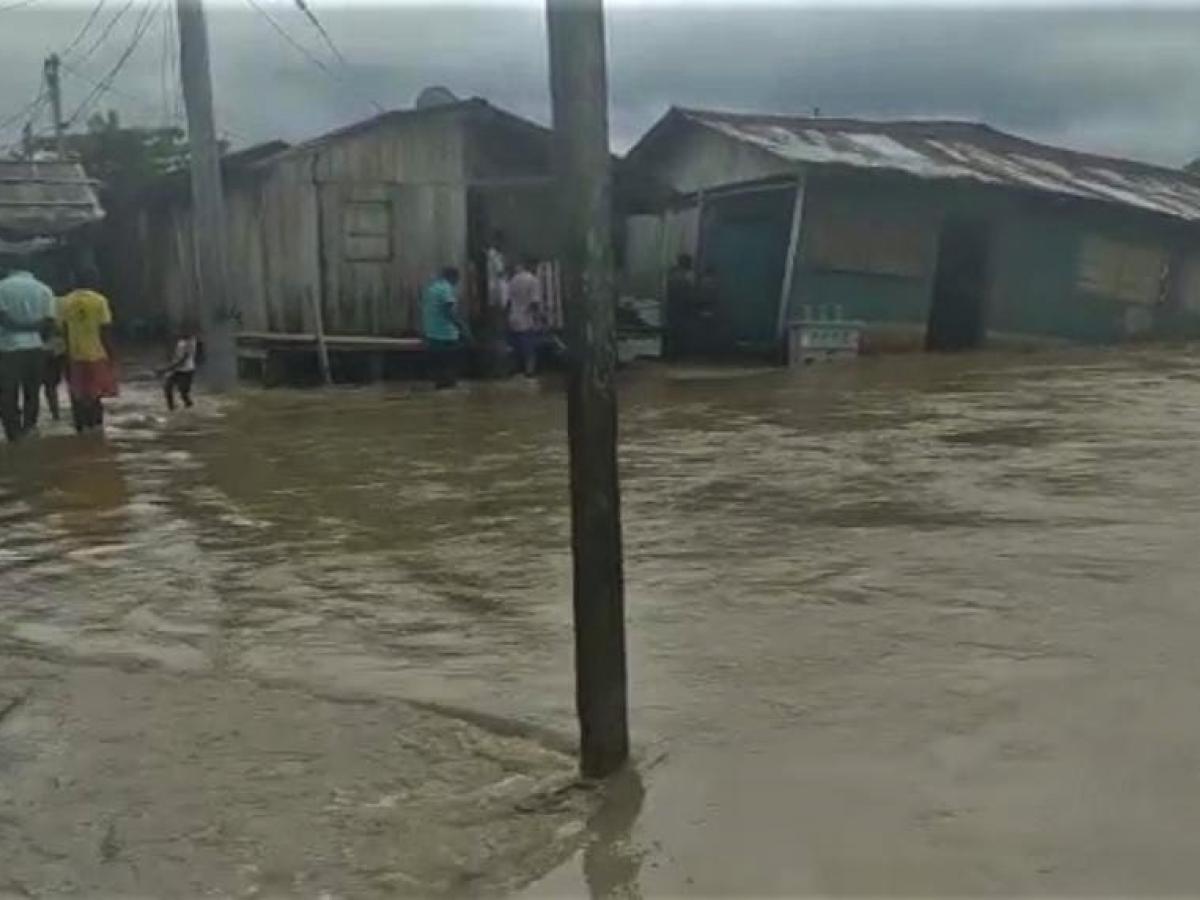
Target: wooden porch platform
<point x="340" y="342"/>
<point x="286" y="357"/>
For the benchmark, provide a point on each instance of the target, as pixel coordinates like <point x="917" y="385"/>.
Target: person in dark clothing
<point x="681" y="289"/>
<point x="705" y="327"/>
<point x="20" y="382"/>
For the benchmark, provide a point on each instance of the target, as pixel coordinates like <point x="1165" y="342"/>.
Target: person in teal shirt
<point x="444" y="328"/>
<point x="26" y="312"/>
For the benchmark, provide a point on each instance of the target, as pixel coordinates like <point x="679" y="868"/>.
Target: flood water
<point x="909" y="625"/>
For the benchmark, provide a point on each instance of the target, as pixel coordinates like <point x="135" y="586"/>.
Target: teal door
<point x="746" y="244"/>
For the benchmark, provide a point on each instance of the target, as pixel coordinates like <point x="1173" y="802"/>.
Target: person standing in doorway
<point x="681" y="291"/>
<point x="26" y="313"/>
<point x="179" y="374"/>
<point x="443" y="326"/>
<point x="525" y="316"/>
<point x="494" y="333"/>
<point x="497" y="274"/>
<point x="91" y="371"/>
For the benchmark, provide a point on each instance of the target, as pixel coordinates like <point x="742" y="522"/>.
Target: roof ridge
<point x="1080" y="157"/>
<point x="696" y="112"/>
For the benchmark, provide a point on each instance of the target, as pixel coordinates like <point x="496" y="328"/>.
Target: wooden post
<point x="322" y="346"/>
<point x="50" y="70"/>
<point x="208" y="199"/>
<point x="579" y="89"/>
<point x="318" y="299"/>
<point x="789" y="270"/>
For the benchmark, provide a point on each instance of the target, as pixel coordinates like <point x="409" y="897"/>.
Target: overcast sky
<point x="1119" y="80"/>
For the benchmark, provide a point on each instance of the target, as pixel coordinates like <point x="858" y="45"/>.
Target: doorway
<point x="957" y="313"/>
<point x="743" y="252"/>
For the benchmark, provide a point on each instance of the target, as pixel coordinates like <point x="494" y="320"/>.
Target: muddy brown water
<point x="902" y="626"/>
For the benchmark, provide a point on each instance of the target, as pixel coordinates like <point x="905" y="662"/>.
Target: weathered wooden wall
<point x="288" y="221"/>
<point x="360" y="220"/>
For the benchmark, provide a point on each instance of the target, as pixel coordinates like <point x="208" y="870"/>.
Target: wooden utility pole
<point x="208" y="200"/>
<point x="50" y="71"/>
<point x="579" y="89"/>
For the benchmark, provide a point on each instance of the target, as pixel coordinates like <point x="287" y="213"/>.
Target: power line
<point x="141" y="101"/>
<point x="308" y="54"/>
<point x="18" y="4"/>
<point x="107" y="30"/>
<point x="105" y="84"/>
<point x="84" y="30"/>
<point x="31" y="109"/>
<point x="304" y="8"/>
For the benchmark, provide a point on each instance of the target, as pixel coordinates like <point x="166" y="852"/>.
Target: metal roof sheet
<point x="961" y="150"/>
<point x="45" y="197"/>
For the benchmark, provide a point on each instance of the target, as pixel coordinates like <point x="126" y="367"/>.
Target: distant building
<point x="46" y="208"/>
<point x="936" y="234"/>
<point x="355" y="221"/>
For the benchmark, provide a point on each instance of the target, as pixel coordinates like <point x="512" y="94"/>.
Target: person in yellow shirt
<point x="91" y="373"/>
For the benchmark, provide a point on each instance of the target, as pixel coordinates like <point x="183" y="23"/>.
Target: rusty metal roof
<point x="960" y="151"/>
<point x="45" y="198"/>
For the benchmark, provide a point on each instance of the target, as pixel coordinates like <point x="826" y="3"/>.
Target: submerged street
<point x="909" y="625"/>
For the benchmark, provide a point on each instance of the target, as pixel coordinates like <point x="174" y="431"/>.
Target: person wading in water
<point x="91" y="369"/>
<point x="444" y="327"/>
<point x="26" y="314"/>
<point x="178" y="375"/>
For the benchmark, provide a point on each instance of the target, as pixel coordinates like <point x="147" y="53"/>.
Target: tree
<point x="124" y="159"/>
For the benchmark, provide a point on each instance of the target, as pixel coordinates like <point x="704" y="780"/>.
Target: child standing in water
<point x="181" y="371"/>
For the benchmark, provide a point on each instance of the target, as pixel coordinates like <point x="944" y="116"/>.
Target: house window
<point x="838" y="242"/>
<point x="1131" y="273"/>
<point x="367" y="231"/>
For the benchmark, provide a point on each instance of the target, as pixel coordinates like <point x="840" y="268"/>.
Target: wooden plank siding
<point x="297" y="232"/>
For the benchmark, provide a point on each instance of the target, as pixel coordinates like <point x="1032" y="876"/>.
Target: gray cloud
<point x="1112" y="80"/>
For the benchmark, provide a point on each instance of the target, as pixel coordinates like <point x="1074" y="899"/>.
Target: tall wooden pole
<point x="50" y="70"/>
<point x="579" y="89"/>
<point x="208" y="200"/>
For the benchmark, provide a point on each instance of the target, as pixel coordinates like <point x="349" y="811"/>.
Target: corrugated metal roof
<point x="44" y="198"/>
<point x="961" y="150"/>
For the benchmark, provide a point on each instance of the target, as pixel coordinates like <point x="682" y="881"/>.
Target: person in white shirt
<point x="497" y="272"/>
<point x="182" y="370"/>
<point x="525" y="320"/>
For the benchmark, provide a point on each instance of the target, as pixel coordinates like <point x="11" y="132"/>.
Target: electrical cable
<point x="304" y="8"/>
<point x="141" y="101"/>
<point x="84" y="30"/>
<point x="31" y="109"/>
<point x="308" y="54"/>
<point x="106" y="31"/>
<point x="105" y="84"/>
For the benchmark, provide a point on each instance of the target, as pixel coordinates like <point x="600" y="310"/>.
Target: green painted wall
<point x="1034" y="259"/>
<point x="886" y="300"/>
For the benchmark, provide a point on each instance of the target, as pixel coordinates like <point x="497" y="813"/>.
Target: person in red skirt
<point x="91" y="363"/>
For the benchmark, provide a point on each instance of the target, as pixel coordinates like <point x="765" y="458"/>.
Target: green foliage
<point x="124" y="159"/>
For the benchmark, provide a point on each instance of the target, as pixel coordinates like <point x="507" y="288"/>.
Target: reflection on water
<point x="789" y="537"/>
<point x="612" y="860"/>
